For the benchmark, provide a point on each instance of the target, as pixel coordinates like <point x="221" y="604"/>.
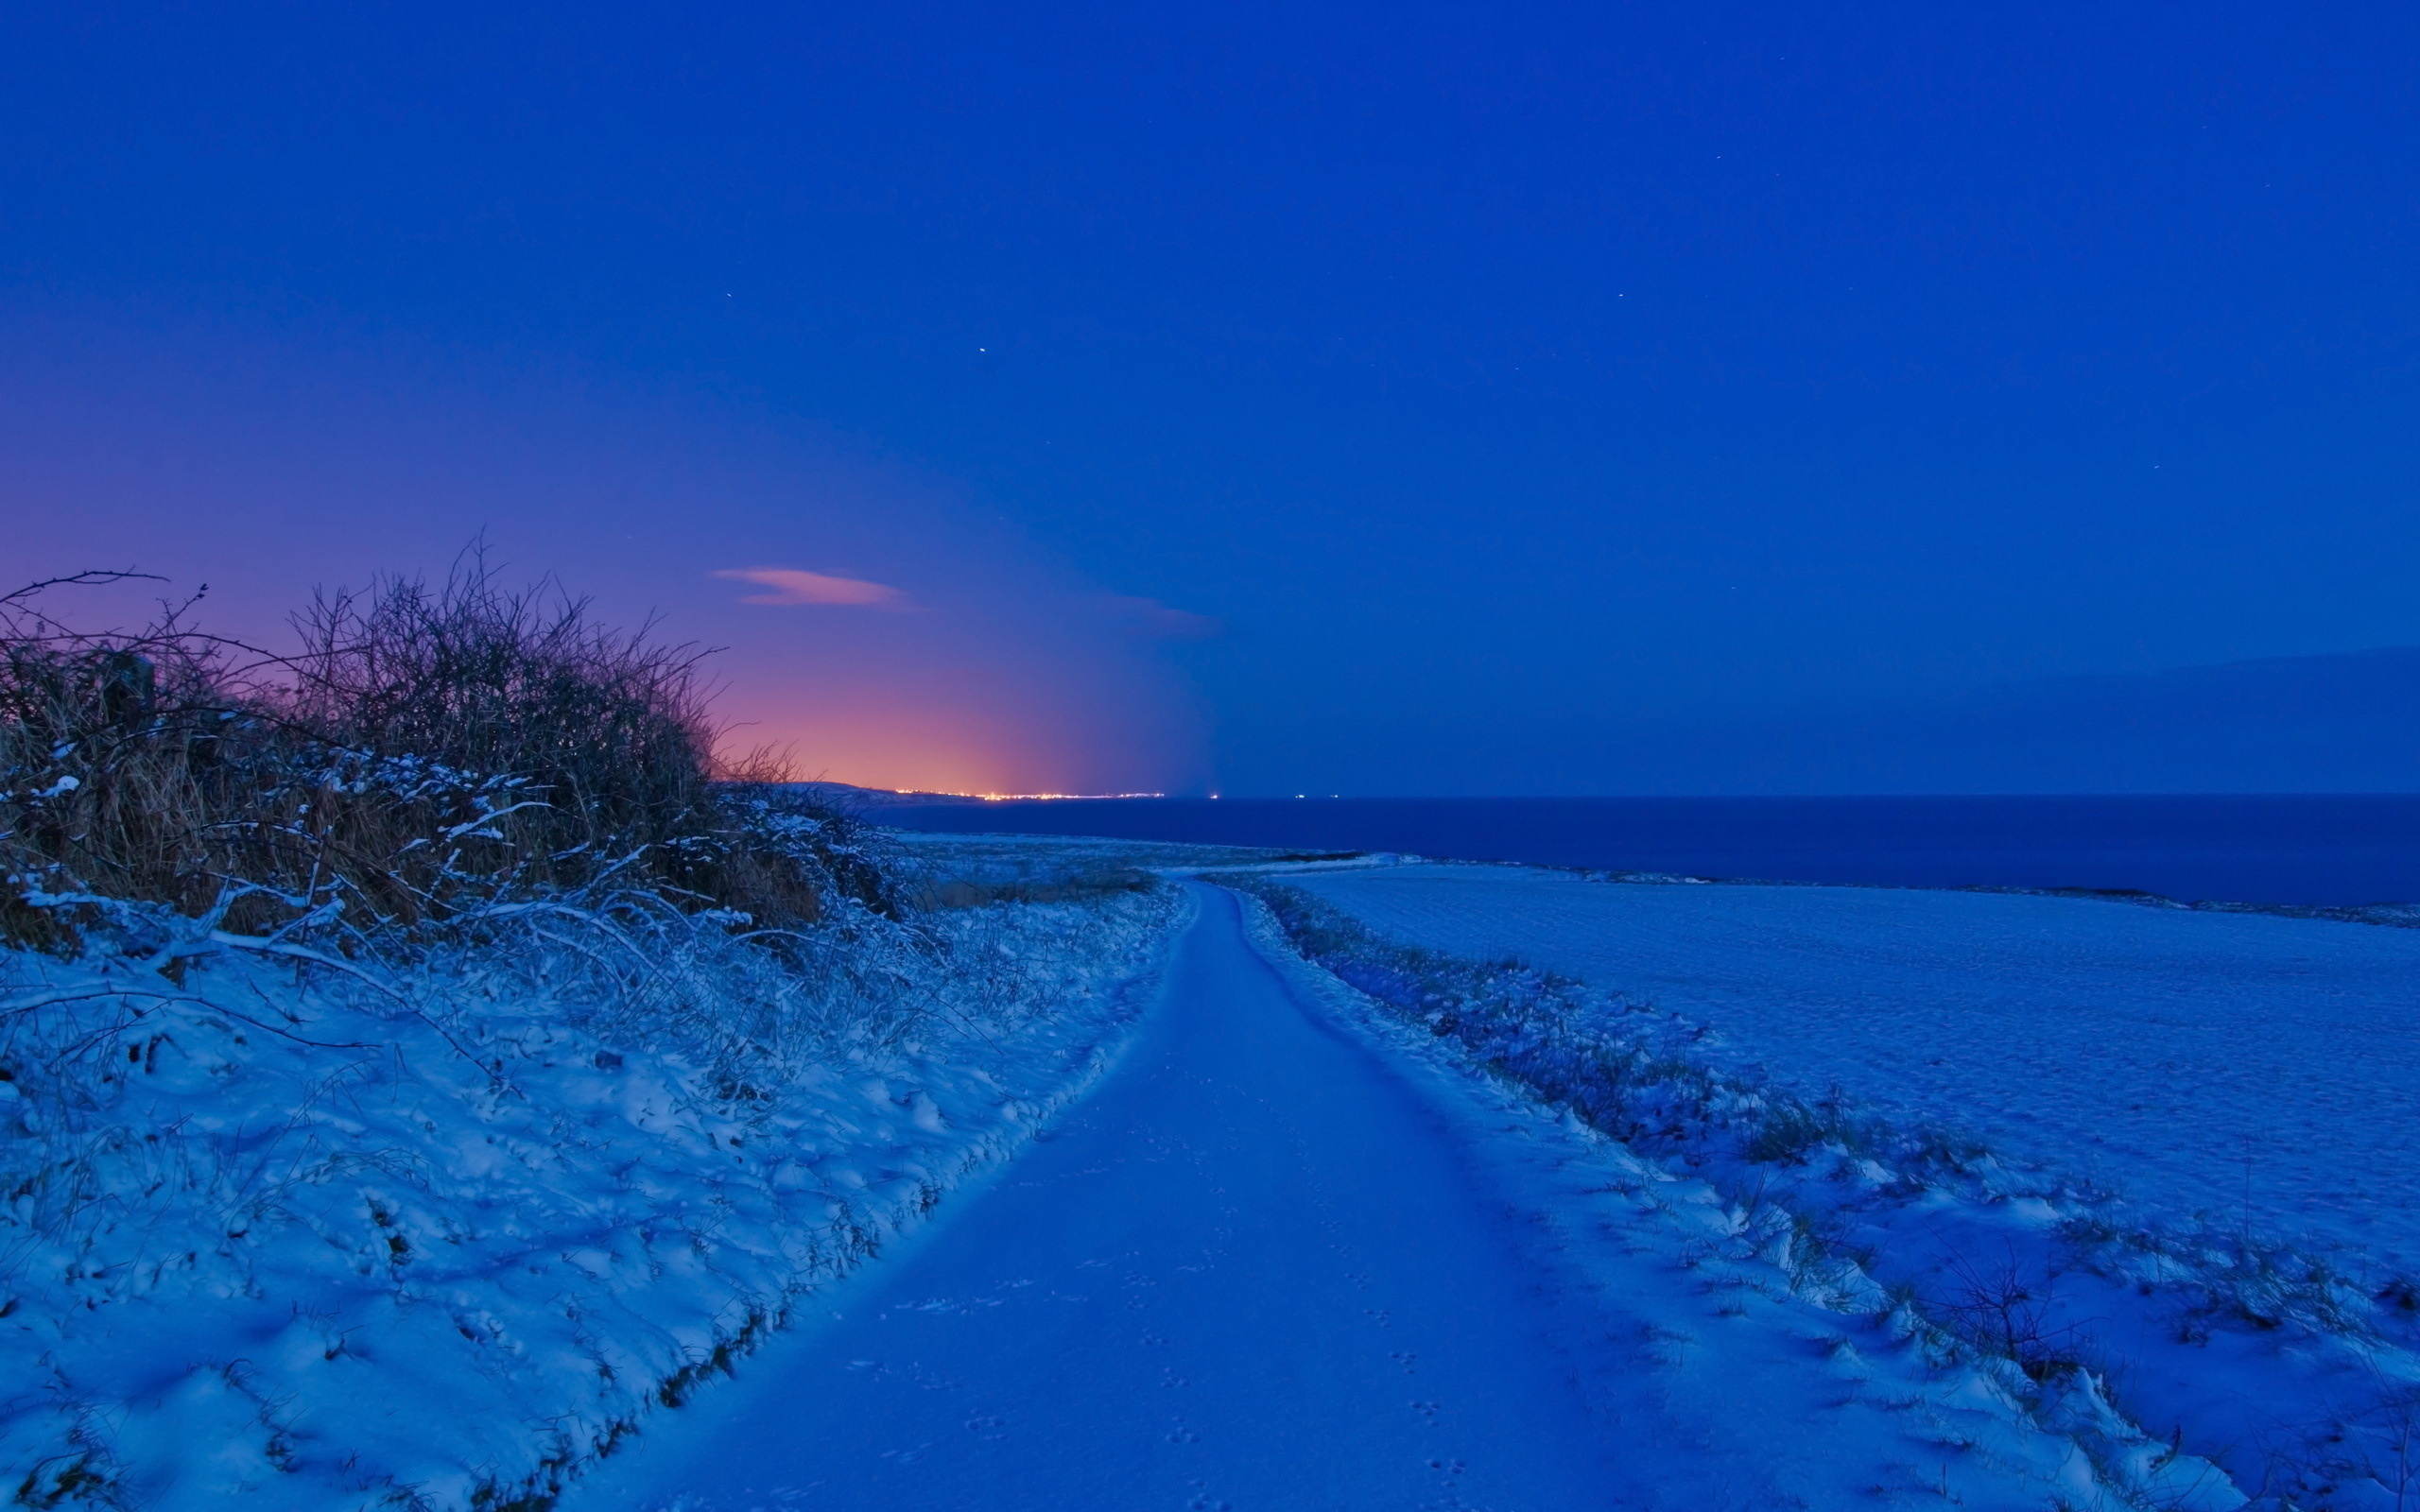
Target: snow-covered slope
<point x="1838" y="1042"/>
<point x="306" y="1231"/>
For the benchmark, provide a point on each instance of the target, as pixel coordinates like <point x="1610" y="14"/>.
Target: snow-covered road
<point x="1277" y="1263"/>
<point x="1248" y="1271"/>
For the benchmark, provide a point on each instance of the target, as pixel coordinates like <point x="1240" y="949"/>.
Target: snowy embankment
<point x="434" y="1229"/>
<point x="2288" y="1360"/>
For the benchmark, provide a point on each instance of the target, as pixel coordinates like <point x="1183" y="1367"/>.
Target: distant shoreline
<point x="2321" y="851"/>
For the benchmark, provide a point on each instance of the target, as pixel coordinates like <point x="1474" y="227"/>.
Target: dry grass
<point x="429" y="748"/>
<point x="959" y="892"/>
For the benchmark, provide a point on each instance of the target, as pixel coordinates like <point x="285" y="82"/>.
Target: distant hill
<point x="2346" y="723"/>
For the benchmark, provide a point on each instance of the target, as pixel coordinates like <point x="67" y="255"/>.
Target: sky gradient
<point x="1261" y="400"/>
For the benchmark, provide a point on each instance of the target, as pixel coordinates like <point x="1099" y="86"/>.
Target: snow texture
<point x="1290" y="1254"/>
<point x="1848" y="1216"/>
<point x="2239" y="1066"/>
<point x="435" y="1231"/>
<point x="1835" y="1040"/>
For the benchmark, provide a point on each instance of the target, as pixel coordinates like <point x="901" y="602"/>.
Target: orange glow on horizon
<point x="985" y="709"/>
<point x="1030" y="797"/>
<point x="954" y="751"/>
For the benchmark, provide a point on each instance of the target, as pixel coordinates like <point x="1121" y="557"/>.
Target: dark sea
<point x="2326" y="849"/>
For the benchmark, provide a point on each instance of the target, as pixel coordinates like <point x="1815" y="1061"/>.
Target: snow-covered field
<point x="2243" y="1068"/>
<point x="994" y="860"/>
<point x="290" y="1229"/>
<point x="1822" y="1049"/>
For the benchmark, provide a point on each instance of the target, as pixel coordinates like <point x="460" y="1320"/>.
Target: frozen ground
<point x="2269" y="1335"/>
<point x="2241" y="1067"/>
<point x="433" y="1229"/>
<point x="1291" y="1256"/>
<point x="293" y="1231"/>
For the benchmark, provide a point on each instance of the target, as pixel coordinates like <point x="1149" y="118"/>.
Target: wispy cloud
<point x="1151" y="618"/>
<point x="792" y="585"/>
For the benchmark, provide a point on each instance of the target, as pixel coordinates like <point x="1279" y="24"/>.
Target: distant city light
<point x="1022" y="797"/>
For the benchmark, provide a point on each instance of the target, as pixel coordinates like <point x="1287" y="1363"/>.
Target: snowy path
<point x="1247" y="1271"/>
<point x="1268" y="1265"/>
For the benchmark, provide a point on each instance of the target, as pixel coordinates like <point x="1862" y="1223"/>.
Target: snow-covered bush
<point x="427" y="751"/>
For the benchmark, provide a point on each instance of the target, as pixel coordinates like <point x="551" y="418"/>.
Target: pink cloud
<point x="1149" y="617"/>
<point x="792" y="585"/>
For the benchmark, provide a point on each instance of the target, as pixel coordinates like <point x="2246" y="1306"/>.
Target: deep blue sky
<point x="1502" y="381"/>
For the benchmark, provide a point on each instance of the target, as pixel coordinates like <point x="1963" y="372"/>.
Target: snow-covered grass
<point x="2248" y="1070"/>
<point x="434" y="1222"/>
<point x="2293" y="1371"/>
<point x="997" y="860"/>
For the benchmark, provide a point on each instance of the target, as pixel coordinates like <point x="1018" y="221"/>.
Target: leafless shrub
<point x="112" y="762"/>
<point x="428" y="749"/>
<point x="611" y="729"/>
<point x="2004" y="1311"/>
<point x="2384" y="1443"/>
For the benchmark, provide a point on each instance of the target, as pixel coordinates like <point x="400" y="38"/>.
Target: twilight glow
<point x="267" y="470"/>
<point x="1427" y="401"/>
